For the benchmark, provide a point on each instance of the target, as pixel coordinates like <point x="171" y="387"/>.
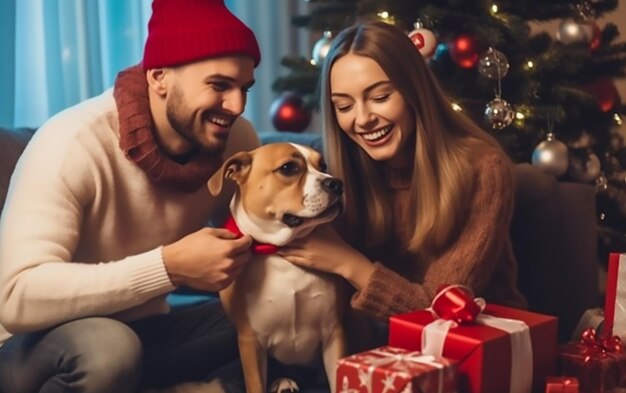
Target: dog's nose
<point x="332" y="185"/>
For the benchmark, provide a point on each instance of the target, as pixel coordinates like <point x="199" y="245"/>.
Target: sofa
<point x="553" y="233"/>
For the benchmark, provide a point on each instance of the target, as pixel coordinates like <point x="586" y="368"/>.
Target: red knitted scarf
<point x="138" y="143"/>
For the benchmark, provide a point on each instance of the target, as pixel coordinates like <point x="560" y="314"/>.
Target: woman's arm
<point x="470" y="260"/>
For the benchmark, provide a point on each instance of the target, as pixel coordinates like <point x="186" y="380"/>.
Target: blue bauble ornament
<point x="442" y="52"/>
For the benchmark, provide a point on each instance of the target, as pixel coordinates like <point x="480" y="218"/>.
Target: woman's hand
<point x="326" y="251"/>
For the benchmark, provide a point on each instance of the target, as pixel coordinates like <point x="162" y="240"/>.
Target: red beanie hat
<point x="185" y="31"/>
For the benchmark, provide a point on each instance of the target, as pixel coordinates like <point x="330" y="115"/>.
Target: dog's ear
<point x="235" y="168"/>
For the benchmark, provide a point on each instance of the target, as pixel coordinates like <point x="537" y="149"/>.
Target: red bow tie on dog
<point x="257" y="248"/>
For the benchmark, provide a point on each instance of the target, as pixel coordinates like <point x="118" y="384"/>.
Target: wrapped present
<point x="499" y="349"/>
<point x="591" y="318"/>
<point x="615" y="297"/>
<point x="599" y="363"/>
<point x="562" y="385"/>
<point x="388" y="370"/>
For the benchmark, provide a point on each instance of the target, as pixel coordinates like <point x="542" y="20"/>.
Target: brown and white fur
<point x="278" y="308"/>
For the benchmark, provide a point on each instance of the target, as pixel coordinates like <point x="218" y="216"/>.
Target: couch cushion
<point x="313" y="140"/>
<point x="554" y="238"/>
<point x="12" y="143"/>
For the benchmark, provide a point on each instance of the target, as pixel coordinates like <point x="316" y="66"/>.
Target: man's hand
<point x="209" y="259"/>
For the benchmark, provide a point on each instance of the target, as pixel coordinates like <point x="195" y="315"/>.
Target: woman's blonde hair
<point x="445" y="142"/>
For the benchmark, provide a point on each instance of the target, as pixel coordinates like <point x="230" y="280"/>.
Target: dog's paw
<point x="284" y="385"/>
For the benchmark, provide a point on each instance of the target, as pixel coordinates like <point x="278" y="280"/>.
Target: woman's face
<point x="370" y="110"/>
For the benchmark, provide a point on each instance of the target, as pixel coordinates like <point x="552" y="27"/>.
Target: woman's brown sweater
<point x="481" y="257"/>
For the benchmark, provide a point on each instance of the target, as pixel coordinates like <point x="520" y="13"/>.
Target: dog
<point x="277" y="308"/>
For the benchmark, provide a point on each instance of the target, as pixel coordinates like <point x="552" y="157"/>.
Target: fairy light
<point x="494" y="9"/>
<point x="386" y="17"/>
<point x="617" y="118"/>
<point x="313" y="62"/>
<point x="530" y="64"/>
<point x="520" y="116"/>
<point x="456" y="107"/>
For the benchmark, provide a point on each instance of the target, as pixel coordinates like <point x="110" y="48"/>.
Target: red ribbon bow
<point x="456" y="303"/>
<point x="599" y="345"/>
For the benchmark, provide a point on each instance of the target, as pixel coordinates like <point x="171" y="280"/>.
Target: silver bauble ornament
<point x="585" y="169"/>
<point x="499" y="113"/>
<point x="573" y="31"/>
<point x="493" y="64"/>
<point x="321" y="47"/>
<point x="551" y="156"/>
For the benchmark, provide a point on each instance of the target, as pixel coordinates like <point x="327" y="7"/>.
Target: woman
<point x="429" y="195"/>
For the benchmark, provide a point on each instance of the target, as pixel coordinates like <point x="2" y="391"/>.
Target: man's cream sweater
<point x="82" y="228"/>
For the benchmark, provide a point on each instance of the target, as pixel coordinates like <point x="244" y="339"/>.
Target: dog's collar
<point x="257" y="248"/>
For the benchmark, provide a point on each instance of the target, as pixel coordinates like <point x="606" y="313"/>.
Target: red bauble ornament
<point x="606" y="92"/>
<point x="289" y="113"/>
<point x="596" y="38"/>
<point x="464" y="51"/>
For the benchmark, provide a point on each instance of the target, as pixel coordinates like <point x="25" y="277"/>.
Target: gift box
<point x="485" y="353"/>
<point x="562" y="385"/>
<point x="387" y="369"/>
<point x="615" y="296"/>
<point x="599" y="363"/>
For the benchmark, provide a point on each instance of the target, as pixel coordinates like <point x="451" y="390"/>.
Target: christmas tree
<point x="548" y="98"/>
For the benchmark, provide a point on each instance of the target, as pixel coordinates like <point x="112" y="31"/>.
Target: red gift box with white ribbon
<point x="615" y="296"/>
<point x="499" y="349"/>
<point x="562" y="385"/>
<point x="390" y="370"/>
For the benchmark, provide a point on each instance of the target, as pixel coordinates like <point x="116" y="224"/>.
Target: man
<point x="106" y="213"/>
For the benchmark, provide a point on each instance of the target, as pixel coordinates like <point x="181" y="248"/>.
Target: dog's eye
<point x="323" y="166"/>
<point x="289" y="169"/>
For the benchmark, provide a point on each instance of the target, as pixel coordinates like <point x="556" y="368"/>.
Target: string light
<point x="522" y="112"/>
<point x="530" y="64"/>
<point x="494" y="9"/>
<point x="386" y="17"/>
<point x="456" y="107"/>
<point x="313" y="62"/>
<point x="617" y="118"/>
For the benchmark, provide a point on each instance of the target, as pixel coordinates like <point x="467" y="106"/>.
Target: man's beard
<point x="183" y="122"/>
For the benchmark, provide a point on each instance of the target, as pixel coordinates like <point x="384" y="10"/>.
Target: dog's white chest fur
<point x="290" y="310"/>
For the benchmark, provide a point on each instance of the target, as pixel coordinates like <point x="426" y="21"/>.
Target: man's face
<point x="206" y="97"/>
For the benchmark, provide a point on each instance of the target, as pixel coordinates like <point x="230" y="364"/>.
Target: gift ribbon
<point x="456" y="304"/>
<point x="390" y="358"/>
<point x="601" y="345"/>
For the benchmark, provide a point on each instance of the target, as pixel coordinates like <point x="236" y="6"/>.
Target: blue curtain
<point x="61" y="52"/>
<point x="7" y="67"/>
<point x="56" y="53"/>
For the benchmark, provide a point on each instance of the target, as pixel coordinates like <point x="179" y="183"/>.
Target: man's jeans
<point x="102" y="355"/>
